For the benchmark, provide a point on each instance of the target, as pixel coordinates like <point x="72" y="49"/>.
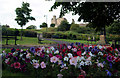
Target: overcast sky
<point x="39" y="9"/>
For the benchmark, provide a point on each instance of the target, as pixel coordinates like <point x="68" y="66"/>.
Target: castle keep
<point x="57" y="21"/>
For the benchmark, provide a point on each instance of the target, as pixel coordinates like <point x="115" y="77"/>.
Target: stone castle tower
<point x="57" y="21"/>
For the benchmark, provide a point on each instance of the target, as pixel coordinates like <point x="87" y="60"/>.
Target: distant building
<point x="82" y="25"/>
<point x="57" y="21"/>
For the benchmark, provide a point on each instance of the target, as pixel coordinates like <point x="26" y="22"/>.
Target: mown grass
<point x="27" y="41"/>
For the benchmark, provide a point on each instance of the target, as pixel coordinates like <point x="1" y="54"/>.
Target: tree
<point x="31" y="27"/>
<point x="23" y="15"/>
<point x="114" y="28"/>
<point x="99" y="14"/>
<point x="52" y="25"/>
<point x="64" y="26"/>
<point x="74" y="27"/>
<point x="43" y="25"/>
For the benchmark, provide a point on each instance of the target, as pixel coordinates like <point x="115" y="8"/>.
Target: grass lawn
<point x="28" y="41"/>
<point x="81" y="41"/>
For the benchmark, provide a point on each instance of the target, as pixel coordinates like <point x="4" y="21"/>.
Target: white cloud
<point x="39" y="9"/>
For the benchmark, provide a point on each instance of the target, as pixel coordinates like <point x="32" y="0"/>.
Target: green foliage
<point x="85" y="30"/>
<point x="74" y="27"/>
<point x="23" y="14"/>
<point x="52" y="25"/>
<point x="31" y="27"/>
<point x="9" y="31"/>
<point x="29" y="33"/>
<point x="64" y="26"/>
<point x="43" y="25"/>
<point x="114" y="28"/>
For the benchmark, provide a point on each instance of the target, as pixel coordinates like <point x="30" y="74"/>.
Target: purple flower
<point x="32" y="49"/>
<point x="109" y="58"/>
<point x="108" y="73"/>
<point x="110" y="64"/>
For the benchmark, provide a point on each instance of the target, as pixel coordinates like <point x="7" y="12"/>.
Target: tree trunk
<point x="21" y="32"/>
<point x="104" y="33"/>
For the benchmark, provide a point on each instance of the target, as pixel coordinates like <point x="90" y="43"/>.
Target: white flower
<point x="78" y="59"/>
<point x="21" y="50"/>
<point x="69" y="47"/>
<point x="35" y="61"/>
<point x="21" y="55"/>
<point x="91" y="54"/>
<point x="43" y="48"/>
<point x="86" y="62"/>
<point x="28" y="55"/>
<point x="100" y="53"/>
<point x="100" y="47"/>
<point x="83" y="53"/>
<point x="88" y="59"/>
<point x="66" y="58"/>
<point x="36" y="65"/>
<point x="70" y="55"/>
<point x="56" y="52"/>
<point x="82" y="63"/>
<point x="82" y="58"/>
<point x="74" y="49"/>
<point x="73" y="61"/>
<point x="52" y="48"/>
<point x="54" y="59"/>
<point x="48" y="51"/>
<point x="6" y="60"/>
<point x="90" y="46"/>
<point x="100" y="65"/>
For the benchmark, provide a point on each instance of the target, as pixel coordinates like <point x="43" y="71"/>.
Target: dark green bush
<point x="28" y="33"/>
<point x="9" y="31"/>
<point x="47" y="34"/>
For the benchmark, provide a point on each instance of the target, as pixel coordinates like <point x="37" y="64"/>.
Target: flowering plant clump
<point x="77" y="60"/>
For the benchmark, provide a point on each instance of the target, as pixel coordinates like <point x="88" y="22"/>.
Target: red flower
<point x="37" y="49"/>
<point x="81" y="76"/>
<point x="64" y="50"/>
<point x="50" y="55"/>
<point x="104" y="55"/>
<point x="79" y="53"/>
<point x="17" y="65"/>
<point x="110" y="48"/>
<point x="17" y="49"/>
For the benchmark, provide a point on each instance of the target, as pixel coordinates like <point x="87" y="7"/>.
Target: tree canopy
<point x="52" y="25"/>
<point x="31" y="27"/>
<point x="64" y="26"/>
<point x="23" y="14"/>
<point x="99" y="14"/>
<point x="43" y="25"/>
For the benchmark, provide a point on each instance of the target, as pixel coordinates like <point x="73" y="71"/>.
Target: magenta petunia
<point x="16" y="65"/>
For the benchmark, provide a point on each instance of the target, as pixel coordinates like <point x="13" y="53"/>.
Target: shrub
<point x="28" y="33"/>
<point x="9" y="31"/>
<point x="74" y="27"/>
<point x="47" y="34"/>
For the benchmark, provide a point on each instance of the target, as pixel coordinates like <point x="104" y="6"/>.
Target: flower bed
<point x="75" y="60"/>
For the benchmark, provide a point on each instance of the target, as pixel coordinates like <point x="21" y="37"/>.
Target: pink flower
<point x="73" y="61"/>
<point x="36" y="65"/>
<point x="43" y="65"/>
<point x="53" y="59"/>
<point x="11" y="65"/>
<point x="17" y="65"/>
